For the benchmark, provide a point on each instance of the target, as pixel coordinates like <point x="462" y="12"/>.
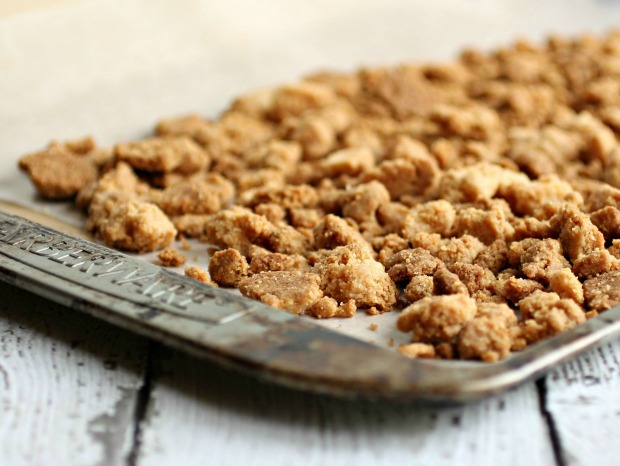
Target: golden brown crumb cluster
<point x="479" y="197"/>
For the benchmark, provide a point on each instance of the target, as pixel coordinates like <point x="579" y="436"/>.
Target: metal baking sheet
<point x="111" y="68"/>
<point x="247" y="335"/>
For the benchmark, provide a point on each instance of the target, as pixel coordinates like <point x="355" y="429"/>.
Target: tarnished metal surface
<point x="250" y="336"/>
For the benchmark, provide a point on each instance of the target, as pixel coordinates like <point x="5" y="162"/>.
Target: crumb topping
<point x="479" y="198"/>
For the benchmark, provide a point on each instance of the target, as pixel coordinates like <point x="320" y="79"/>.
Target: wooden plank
<point x="200" y="414"/>
<point x="583" y="400"/>
<point x="68" y="384"/>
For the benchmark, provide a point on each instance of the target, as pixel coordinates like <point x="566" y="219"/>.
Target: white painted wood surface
<point x="583" y="399"/>
<point x="76" y="391"/>
<point x="68" y="385"/>
<point x="203" y="415"/>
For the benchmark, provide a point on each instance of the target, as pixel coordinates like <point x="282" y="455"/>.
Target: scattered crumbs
<point x="417" y="350"/>
<point x="170" y="257"/>
<point x="198" y="273"/>
<point x="390" y="342"/>
<point x="373" y="327"/>
<point x="185" y="246"/>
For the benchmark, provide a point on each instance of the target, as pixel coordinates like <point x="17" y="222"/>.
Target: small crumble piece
<point x="474" y="277"/>
<point x="347" y="309"/>
<point x="600" y="195"/>
<point x="500" y="312"/>
<point x="417" y="350"/>
<point x="179" y="154"/>
<point x="185" y="246"/>
<point x="190" y="225"/>
<point x="566" y="284"/>
<point x="538" y="259"/>
<point x="239" y="228"/>
<point x="58" y="172"/>
<point x="272" y="212"/>
<point x="463" y="249"/>
<point x="373" y="327"/>
<point x="488" y="225"/>
<point x="352" y="161"/>
<point x="122" y="179"/>
<point x="475" y="183"/>
<point x="607" y="220"/>
<point x="387" y="247"/>
<point x="199" y="274"/>
<point x="228" y="267"/>
<point x="276" y="154"/>
<point x="170" y="257"/>
<point x="430" y="217"/>
<point x="447" y="282"/>
<point x="294" y="99"/>
<point x="531" y="227"/>
<point x="333" y="231"/>
<point x="350" y="272"/>
<point x="419" y="287"/>
<point x="494" y="257"/>
<point x="484" y="338"/>
<point x="275" y="261"/>
<point x="391" y="216"/>
<point x="362" y="202"/>
<point x="324" y="308"/>
<point x="410" y="170"/>
<point x="473" y="122"/>
<point x="199" y="195"/>
<point x="536" y="197"/>
<point x="300" y="217"/>
<point x="578" y="235"/>
<point x="236" y="132"/>
<point x="285" y="196"/>
<point x="594" y="263"/>
<point x="602" y="292"/>
<point x="410" y="263"/>
<point x="136" y="226"/>
<point x="515" y="289"/>
<point x="437" y="319"/>
<point x="545" y="314"/>
<point x="293" y="292"/>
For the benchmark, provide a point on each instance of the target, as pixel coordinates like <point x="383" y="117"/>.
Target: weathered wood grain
<point x="583" y="399"/>
<point x="200" y="414"/>
<point x="68" y="385"/>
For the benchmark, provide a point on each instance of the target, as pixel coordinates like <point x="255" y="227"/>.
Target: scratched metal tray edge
<point x="294" y="352"/>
